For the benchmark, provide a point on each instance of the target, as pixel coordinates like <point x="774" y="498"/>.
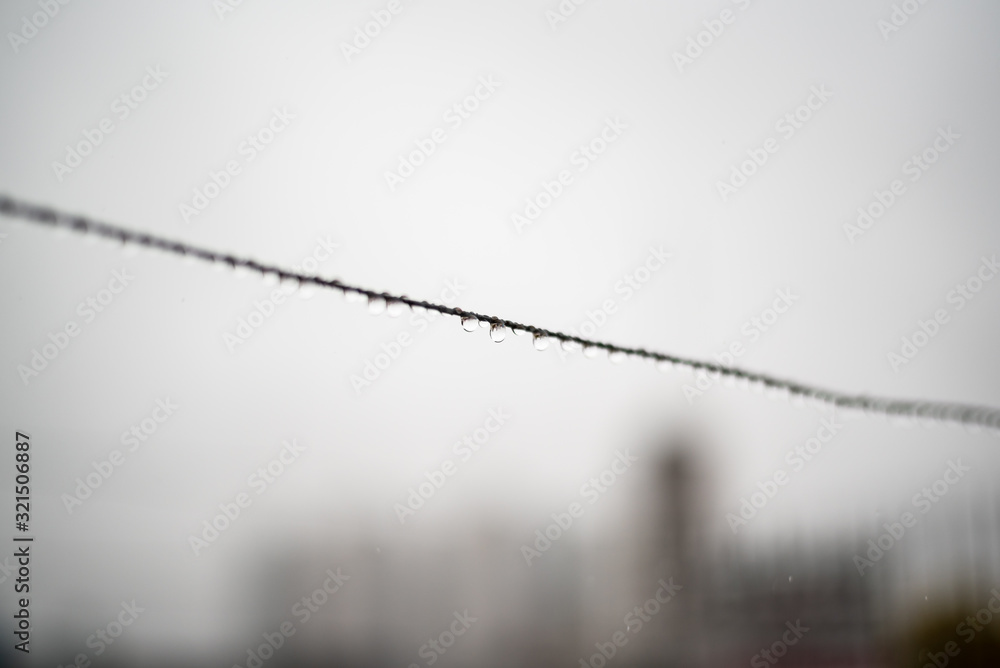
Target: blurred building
<point x="736" y="600"/>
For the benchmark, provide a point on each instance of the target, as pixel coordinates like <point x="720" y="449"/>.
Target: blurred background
<point x="227" y="472"/>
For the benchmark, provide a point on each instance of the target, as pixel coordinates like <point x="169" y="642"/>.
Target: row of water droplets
<point x="394" y="307"/>
<point x="498" y="331"/>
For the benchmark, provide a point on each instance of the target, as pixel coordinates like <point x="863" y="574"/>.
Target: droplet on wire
<point x="497" y="332"/>
<point x="469" y="323"/>
<point x="590" y="352"/>
<point x="616" y="356"/>
<point x="849" y="413"/>
<point x="518" y="331"/>
<point x="776" y="393"/>
<point x="568" y="346"/>
<point x="394" y="308"/>
<point x="353" y="297"/>
<point x="665" y="366"/>
<point x="541" y="342"/>
<point x="269" y="277"/>
<point x="376" y="305"/>
<point x="484" y="323"/>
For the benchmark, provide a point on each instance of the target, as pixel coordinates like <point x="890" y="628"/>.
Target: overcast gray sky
<point x="174" y="94"/>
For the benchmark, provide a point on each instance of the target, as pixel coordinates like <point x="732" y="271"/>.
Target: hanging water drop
<point x="394" y="308"/>
<point x="665" y="366"/>
<point x="590" y="352"/>
<point x="776" y="393"/>
<point x="518" y="331"/>
<point x="541" y="342"/>
<point x="353" y="297"/>
<point x="484" y="323"/>
<point x="497" y="332"/>
<point x="469" y="323"/>
<point x="616" y="356"/>
<point x="376" y="305"/>
<point x="269" y="278"/>
<point x="568" y="346"/>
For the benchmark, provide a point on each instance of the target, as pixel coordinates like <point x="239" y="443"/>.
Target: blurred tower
<point x="672" y="550"/>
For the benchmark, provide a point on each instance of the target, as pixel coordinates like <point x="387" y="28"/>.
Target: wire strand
<point x="966" y="414"/>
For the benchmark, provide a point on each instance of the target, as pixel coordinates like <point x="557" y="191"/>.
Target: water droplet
<point x="484" y="323"/>
<point x="569" y="346"/>
<point x="665" y="366"/>
<point x="776" y="393"/>
<point x="518" y="331"/>
<point x="307" y="292"/>
<point x="241" y="272"/>
<point x="129" y="250"/>
<point x="590" y="352"/>
<point x="376" y="305"/>
<point x="269" y="278"/>
<point x="497" y="332"/>
<point x="541" y="342"/>
<point x="394" y="308"/>
<point x="417" y="308"/>
<point x="850" y="413"/>
<point x="616" y="356"/>
<point x="469" y="323"/>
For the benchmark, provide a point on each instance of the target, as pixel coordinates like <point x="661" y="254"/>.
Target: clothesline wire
<point x="966" y="414"/>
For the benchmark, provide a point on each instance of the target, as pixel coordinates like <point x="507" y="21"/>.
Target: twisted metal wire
<point x="935" y="411"/>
